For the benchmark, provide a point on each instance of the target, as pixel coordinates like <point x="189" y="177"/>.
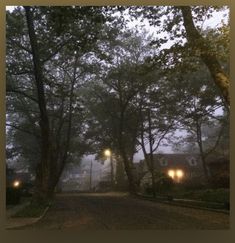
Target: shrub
<point x="12" y="196"/>
<point x="194" y="184"/>
<point x="220" y="181"/>
<point x="163" y="184"/>
<point x="148" y="189"/>
<point x="31" y="210"/>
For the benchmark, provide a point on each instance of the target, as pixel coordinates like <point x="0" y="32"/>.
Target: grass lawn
<point x="31" y="211"/>
<point x="210" y="198"/>
<point x="210" y="195"/>
<point x="220" y="195"/>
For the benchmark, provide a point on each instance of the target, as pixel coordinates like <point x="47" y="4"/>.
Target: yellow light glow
<point x="16" y="183"/>
<point x="171" y="173"/>
<point x="107" y="153"/>
<point x="179" y="173"/>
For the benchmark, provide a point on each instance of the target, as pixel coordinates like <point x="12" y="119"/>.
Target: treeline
<point x="80" y="80"/>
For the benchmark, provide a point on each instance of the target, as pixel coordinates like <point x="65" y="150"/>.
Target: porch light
<point x="171" y="173"/>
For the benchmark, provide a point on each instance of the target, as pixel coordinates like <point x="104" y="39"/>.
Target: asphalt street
<point x="122" y="212"/>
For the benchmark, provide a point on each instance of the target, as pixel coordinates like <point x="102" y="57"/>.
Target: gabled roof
<point x="179" y="160"/>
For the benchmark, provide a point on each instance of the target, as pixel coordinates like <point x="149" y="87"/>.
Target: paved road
<point x="119" y="211"/>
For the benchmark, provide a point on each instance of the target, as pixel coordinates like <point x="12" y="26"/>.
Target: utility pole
<point x="112" y="174"/>
<point x="91" y="176"/>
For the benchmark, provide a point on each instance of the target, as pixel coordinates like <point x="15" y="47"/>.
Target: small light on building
<point x="179" y="174"/>
<point x="171" y="173"/>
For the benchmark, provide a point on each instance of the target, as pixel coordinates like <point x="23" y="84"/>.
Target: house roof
<point x="177" y="160"/>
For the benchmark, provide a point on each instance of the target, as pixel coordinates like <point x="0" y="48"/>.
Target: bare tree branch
<point x="16" y="91"/>
<point x="21" y="129"/>
<point x="19" y="45"/>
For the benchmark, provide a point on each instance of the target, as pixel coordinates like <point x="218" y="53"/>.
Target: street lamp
<point x="108" y="154"/>
<point x="16" y="183"/>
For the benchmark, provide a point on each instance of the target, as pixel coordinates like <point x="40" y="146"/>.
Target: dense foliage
<point x="81" y="79"/>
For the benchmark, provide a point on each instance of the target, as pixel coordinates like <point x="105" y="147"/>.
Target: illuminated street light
<point x="16" y="183"/>
<point x="107" y="152"/>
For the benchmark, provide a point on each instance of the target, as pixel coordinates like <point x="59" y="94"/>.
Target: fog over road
<point x="113" y="211"/>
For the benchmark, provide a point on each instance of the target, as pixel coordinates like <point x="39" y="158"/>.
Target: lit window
<point x="192" y="161"/>
<point x="163" y="162"/>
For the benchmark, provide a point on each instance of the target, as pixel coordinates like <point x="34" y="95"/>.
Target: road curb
<point x="183" y="205"/>
<point x="33" y="221"/>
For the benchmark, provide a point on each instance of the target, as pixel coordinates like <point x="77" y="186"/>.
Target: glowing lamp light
<point x="179" y="173"/>
<point x="107" y="153"/>
<point x="171" y="173"/>
<point x="16" y="184"/>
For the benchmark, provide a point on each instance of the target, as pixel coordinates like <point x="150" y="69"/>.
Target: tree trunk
<point x="120" y="176"/>
<point x="57" y="162"/>
<point x="127" y="163"/>
<point x="128" y="169"/>
<point x="152" y="167"/>
<point x="111" y="172"/>
<point x="202" y="155"/>
<point x="43" y="171"/>
<point x="208" y="57"/>
<point x="51" y="165"/>
<point x="148" y="158"/>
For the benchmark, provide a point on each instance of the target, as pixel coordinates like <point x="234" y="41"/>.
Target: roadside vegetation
<point x="81" y="79"/>
<point x="31" y="211"/>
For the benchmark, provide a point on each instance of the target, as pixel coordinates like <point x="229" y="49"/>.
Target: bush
<point x="220" y="181"/>
<point x="163" y="184"/>
<point x="12" y="196"/>
<point x="209" y="195"/>
<point x="148" y="189"/>
<point x="31" y="211"/>
<point x="214" y="195"/>
<point x="194" y="184"/>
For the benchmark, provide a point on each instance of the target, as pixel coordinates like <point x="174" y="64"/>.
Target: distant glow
<point x="11" y="8"/>
<point x="16" y="183"/>
<point x="179" y="173"/>
<point x="176" y="174"/>
<point x="171" y="173"/>
<point x="107" y="152"/>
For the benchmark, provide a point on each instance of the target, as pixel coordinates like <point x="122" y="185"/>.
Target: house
<point x="178" y="166"/>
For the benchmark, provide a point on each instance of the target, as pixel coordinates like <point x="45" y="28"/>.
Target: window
<point x="163" y="162"/>
<point x="192" y="161"/>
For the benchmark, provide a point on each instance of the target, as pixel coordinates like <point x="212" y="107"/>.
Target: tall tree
<point x="55" y="82"/>
<point x="206" y="53"/>
<point x="114" y="106"/>
<point x="200" y="103"/>
<point x="181" y="26"/>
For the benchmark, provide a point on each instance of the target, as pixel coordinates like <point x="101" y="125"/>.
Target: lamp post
<point x="108" y="154"/>
<point x="91" y="176"/>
